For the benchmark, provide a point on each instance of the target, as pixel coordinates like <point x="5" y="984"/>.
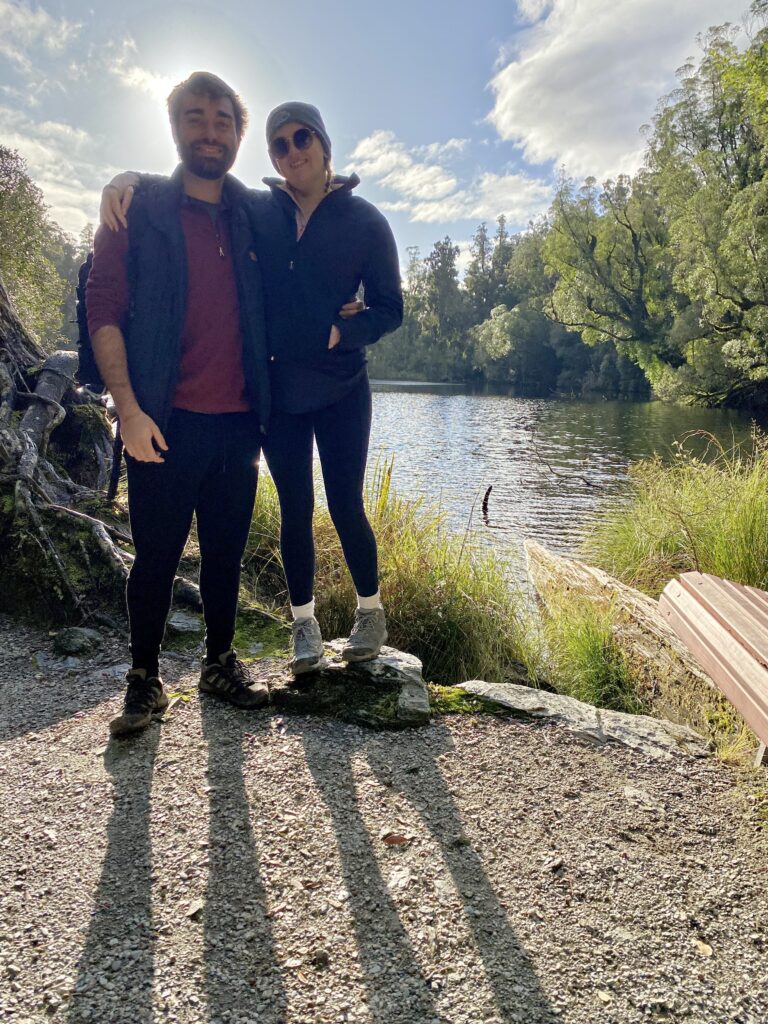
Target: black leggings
<point x="210" y="470"/>
<point x="342" y="431"/>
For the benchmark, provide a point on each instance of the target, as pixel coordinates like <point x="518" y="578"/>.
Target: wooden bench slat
<point x="734" y="608"/>
<point x="750" y="597"/>
<point x="742" y="678"/>
<point x="708" y="638"/>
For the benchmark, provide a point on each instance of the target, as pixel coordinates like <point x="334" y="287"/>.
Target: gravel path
<point x="249" y="867"/>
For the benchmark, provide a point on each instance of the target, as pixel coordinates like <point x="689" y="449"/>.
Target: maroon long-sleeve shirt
<point x="211" y="376"/>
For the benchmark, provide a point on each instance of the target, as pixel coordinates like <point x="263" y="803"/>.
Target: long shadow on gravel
<point x="242" y="979"/>
<point x="511" y="976"/>
<point x="397" y="988"/>
<point x="63" y="696"/>
<point x="115" y="972"/>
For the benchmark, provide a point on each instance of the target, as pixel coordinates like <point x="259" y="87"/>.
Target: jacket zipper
<point x="298" y="241"/>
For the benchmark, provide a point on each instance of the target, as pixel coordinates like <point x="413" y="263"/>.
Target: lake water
<point x="554" y="465"/>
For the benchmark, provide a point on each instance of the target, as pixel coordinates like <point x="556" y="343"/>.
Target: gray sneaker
<point x="369" y="633"/>
<point x="307" y="647"/>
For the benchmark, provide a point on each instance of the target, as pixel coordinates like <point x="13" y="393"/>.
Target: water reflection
<point x="554" y="465"/>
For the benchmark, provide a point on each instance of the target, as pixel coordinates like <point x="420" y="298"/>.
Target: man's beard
<point x="209" y="167"/>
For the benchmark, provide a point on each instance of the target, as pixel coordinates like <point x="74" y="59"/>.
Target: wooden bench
<point x="725" y="627"/>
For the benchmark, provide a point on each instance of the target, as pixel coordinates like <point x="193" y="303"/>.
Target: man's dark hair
<point x="202" y="83"/>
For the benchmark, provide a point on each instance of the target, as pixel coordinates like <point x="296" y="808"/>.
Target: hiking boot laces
<point x="141" y="695"/>
<point x="229" y="680"/>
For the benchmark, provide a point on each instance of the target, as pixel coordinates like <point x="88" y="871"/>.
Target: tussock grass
<point x="584" y="659"/>
<point x="707" y="513"/>
<point x="447" y="602"/>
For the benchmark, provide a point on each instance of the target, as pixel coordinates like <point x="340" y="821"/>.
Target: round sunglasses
<point x="302" y="139"/>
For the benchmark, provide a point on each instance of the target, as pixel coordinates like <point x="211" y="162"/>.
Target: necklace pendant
<point x="221" y="252"/>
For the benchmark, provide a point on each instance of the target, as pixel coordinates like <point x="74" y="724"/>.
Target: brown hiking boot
<point x="228" y="679"/>
<point x="143" y="698"/>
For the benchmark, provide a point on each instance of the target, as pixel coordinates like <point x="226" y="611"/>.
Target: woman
<point x="317" y="243"/>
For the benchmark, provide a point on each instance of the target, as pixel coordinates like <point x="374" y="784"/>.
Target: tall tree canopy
<point x="28" y="242"/>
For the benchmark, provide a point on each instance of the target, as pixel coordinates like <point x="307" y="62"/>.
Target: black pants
<point x="210" y="471"/>
<point x="342" y="431"/>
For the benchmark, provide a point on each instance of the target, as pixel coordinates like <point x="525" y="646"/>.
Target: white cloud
<point x="59" y="162"/>
<point x="438" y="150"/>
<point x="26" y="28"/>
<point x="121" y="63"/>
<point x="588" y="75"/>
<point x="532" y="10"/>
<point x="383" y="157"/>
<point x="429" y="194"/>
<point x="517" y="196"/>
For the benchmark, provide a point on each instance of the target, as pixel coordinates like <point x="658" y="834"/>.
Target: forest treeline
<point x="654" y="283"/>
<point x="38" y="260"/>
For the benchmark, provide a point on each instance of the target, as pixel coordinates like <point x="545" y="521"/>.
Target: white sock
<point x="303" y="611"/>
<point x="367" y="604"/>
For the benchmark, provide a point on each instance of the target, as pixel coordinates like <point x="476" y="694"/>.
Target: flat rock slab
<point x="182" y="623"/>
<point x="386" y="693"/>
<point x="652" y="736"/>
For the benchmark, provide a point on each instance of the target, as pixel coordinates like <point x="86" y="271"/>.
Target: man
<point x="176" y="320"/>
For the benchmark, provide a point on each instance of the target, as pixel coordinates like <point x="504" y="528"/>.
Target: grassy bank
<point x="708" y="514"/>
<point x="447" y="602"/>
<point x="584" y="661"/>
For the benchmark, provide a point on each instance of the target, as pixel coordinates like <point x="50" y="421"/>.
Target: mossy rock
<point x="452" y="700"/>
<point x="387" y="693"/>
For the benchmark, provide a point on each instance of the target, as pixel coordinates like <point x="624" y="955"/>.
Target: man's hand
<point x="140" y="434"/>
<point x="334" y="337"/>
<point x="116" y="198"/>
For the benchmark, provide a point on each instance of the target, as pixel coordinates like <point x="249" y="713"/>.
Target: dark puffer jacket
<point x="347" y="243"/>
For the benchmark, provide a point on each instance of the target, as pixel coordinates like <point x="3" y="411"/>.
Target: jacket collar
<point x="165" y="198"/>
<point x="339" y="183"/>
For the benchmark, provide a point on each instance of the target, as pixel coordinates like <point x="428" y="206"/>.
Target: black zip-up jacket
<point x="158" y="284"/>
<point x="347" y="242"/>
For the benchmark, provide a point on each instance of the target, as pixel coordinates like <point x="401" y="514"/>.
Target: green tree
<point x="441" y="306"/>
<point x="479" y="279"/>
<point x="28" y="240"/>
<point x="608" y="248"/>
<point x="503" y="248"/>
<point x="708" y="158"/>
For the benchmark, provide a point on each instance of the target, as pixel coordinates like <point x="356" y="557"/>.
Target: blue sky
<point x="451" y="112"/>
